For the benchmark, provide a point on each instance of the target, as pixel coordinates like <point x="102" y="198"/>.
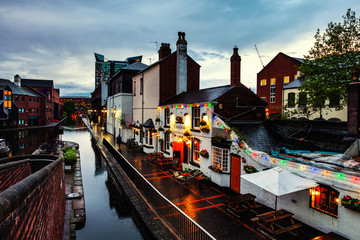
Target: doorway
<point x="235" y="174"/>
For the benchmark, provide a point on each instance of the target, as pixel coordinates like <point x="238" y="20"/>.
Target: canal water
<point x="108" y="214"/>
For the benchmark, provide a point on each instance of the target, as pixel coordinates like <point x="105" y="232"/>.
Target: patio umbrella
<point x="279" y="182"/>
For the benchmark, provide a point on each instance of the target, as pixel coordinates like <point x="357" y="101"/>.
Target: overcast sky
<point x="56" y="39"/>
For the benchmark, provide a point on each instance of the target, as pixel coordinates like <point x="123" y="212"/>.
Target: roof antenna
<point x="259" y="56"/>
<point x="157" y="47"/>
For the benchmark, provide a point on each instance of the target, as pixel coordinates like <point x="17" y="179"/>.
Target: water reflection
<point x="107" y="212"/>
<point x="22" y="142"/>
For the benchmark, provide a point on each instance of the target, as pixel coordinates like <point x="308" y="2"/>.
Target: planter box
<point x="351" y="207"/>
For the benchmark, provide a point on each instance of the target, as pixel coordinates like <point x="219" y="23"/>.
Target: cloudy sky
<point x="56" y="39"/>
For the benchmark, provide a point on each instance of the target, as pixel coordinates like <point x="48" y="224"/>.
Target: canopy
<point x="279" y="181"/>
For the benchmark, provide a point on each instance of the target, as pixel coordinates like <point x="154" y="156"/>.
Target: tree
<point x="69" y="109"/>
<point x="329" y="65"/>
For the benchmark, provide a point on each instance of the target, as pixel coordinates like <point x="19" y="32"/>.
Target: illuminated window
<point x="196" y="117"/>
<point x="221" y="158"/>
<point x="286" y="80"/>
<point x="196" y="151"/>
<point x="295" y="77"/>
<point x="324" y="199"/>
<point x="273" y="81"/>
<point x="134" y="90"/>
<point x="263" y="82"/>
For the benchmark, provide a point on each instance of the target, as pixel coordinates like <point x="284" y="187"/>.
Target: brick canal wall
<point x="13" y="172"/>
<point x="34" y="207"/>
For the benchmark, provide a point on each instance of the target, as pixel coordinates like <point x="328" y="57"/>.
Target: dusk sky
<point x="53" y="39"/>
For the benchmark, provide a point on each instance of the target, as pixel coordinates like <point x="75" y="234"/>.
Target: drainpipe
<point x="142" y="103"/>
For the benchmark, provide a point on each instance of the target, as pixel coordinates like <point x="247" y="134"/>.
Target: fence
<point x="184" y="226"/>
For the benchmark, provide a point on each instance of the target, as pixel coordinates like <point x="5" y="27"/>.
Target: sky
<point x="56" y="39"/>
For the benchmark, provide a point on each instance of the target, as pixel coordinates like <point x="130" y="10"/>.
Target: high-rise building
<point x="104" y="68"/>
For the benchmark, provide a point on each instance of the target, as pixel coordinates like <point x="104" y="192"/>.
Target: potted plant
<point x="168" y="131"/>
<point x="186" y="133"/>
<point x="351" y="203"/>
<point x="157" y="120"/>
<point x="161" y="140"/>
<point x="216" y="168"/>
<point x="160" y="129"/>
<point x="204" y="153"/>
<point x="179" y="119"/>
<point x="171" y="144"/>
<point x="250" y="169"/>
<point x="204" y="129"/>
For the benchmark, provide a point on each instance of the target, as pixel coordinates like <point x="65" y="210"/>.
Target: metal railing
<point x="184" y="226"/>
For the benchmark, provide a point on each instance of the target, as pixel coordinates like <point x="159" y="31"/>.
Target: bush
<point x="69" y="157"/>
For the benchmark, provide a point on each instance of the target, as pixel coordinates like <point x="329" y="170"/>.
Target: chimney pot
<point x="164" y="50"/>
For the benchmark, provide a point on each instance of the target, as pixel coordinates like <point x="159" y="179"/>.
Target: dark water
<point x="22" y="142"/>
<point x="108" y="214"/>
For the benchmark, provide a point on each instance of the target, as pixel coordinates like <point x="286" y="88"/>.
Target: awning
<point x="279" y="181"/>
<point x="149" y="123"/>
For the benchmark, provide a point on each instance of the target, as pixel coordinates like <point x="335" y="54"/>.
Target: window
<point x="273" y="81"/>
<point x="16" y="98"/>
<point x="196" y="151"/>
<point x="272" y="94"/>
<point x="319" y="101"/>
<point x="221" y="158"/>
<point x="33" y="110"/>
<point x="141" y="86"/>
<point x="196" y="117"/>
<point x="146" y="136"/>
<point x="23" y="99"/>
<point x="239" y="102"/>
<point x="263" y="82"/>
<point x="263" y="98"/>
<point x="295" y="77"/>
<point x="167" y="116"/>
<point x="291" y="100"/>
<point x="286" y="80"/>
<point x="325" y="199"/>
<point x="167" y="141"/>
<point x="302" y="99"/>
<point x="134" y="90"/>
<point x="37" y="110"/>
<point x="29" y="99"/>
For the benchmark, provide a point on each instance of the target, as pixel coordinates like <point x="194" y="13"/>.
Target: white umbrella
<point x="279" y="182"/>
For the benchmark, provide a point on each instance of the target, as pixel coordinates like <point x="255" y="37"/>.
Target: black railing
<point x="185" y="227"/>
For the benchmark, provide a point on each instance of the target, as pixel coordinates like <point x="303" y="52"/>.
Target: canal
<point x="108" y="214"/>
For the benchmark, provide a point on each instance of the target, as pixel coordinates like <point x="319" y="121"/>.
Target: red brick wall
<point x="281" y="66"/>
<point x="34" y="208"/>
<point x="12" y="173"/>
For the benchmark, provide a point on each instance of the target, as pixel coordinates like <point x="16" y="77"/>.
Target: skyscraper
<point x="104" y="68"/>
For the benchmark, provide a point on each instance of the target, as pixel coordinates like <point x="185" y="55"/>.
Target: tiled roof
<point x="136" y="66"/>
<point x="294" y="84"/>
<point x="15" y="89"/>
<point x="198" y="96"/>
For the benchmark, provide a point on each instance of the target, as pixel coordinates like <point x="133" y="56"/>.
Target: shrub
<point x="69" y="157"/>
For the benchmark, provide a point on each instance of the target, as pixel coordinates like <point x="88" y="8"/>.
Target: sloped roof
<point x="149" y="123"/>
<point x="15" y="89"/>
<point x="36" y="83"/>
<point x="198" y="96"/>
<point x="294" y="84"/>
<point x="138" y="66"/>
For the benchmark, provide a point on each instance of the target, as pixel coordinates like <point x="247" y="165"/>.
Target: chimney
<point x="164" y="50"/>
<point x="17" y="80"/>
<point x="235" y="61"/>
<point x="181" y="61"/>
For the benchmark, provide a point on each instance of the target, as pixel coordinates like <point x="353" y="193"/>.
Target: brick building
<point x="46" y="88"/>
<point x="81" y="103"/>
<point x="279" y="72"/>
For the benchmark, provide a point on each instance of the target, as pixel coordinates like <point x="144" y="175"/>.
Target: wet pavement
<point x="203" y="202"/>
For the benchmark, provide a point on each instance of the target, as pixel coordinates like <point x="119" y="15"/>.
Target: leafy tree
<point x="69" y="108"/>
<point x="329" y="65"/>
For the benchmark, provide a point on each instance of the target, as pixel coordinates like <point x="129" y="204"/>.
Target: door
<point x="235" y="174"/>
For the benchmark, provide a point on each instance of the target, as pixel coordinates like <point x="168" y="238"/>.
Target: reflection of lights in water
<point x="189" y="206"/>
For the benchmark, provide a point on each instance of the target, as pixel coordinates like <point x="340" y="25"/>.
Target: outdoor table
<point x="241" y="203"/>
<point x="276" y="223"/>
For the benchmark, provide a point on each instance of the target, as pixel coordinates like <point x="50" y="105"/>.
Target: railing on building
<point x="184" y="226"/>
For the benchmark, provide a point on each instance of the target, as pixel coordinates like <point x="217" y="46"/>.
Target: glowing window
<point x="286" y="80"/>
<point x="324" y="199"/>
<point x="263" y="82"/>
<point x="196" y="151"/>
<point x="273" y="81"/>
<point x="221" y="158"/>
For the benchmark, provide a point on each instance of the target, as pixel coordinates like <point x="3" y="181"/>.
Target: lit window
<point x="221" y="158"/>
<point x="324" y="199"/>
<point x="286" y="80"/>
<point x="295" y="77"/>
<point x="263" y="82"/>
<point x="273" y="81"/>
<point x="196" y="151"/>
<point x="134" y="90"/>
